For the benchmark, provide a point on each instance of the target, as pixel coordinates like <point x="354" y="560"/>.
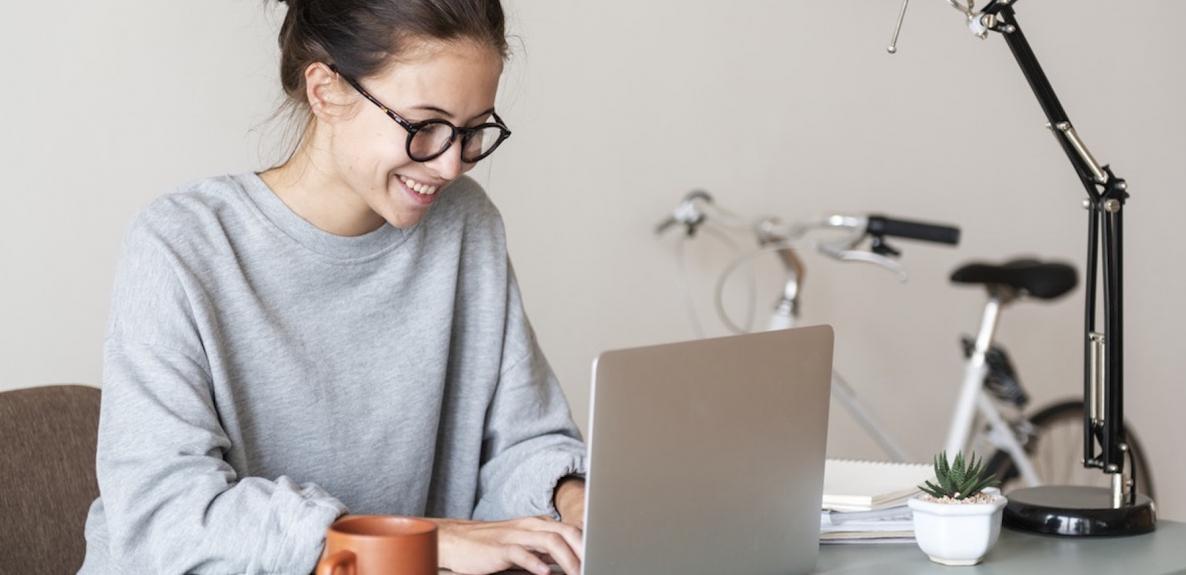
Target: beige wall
<point x="619" y="108"/>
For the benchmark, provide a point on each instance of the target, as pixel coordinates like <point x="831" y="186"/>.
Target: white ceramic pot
<point x="957" y="533"/>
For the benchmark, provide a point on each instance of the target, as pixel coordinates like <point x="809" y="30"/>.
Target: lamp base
<point x="1077" y="512"/>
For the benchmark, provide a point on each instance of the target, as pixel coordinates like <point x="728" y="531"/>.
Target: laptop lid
<point x="708" y="456"/>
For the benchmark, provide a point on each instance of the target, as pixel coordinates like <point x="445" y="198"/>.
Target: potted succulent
<point x="957" y="519"/>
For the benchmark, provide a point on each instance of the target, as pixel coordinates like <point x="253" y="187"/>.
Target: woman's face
<point x="454" y="81"/>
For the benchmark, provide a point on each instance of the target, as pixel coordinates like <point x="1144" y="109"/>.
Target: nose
<point x="449" y="165"/>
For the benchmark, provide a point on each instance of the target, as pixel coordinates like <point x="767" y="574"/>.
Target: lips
<point x="420" y="193"/>
<point x="418" y="187"/>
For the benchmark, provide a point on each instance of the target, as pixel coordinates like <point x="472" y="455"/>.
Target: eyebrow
<point x="448" y="114"/>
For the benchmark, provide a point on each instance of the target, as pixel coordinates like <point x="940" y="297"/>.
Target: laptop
<point x="707" y="457"/>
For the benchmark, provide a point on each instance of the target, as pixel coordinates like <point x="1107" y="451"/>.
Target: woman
<point x="342" y="333"/>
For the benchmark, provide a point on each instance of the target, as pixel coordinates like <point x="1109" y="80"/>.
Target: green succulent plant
<point x="959" y="479"/>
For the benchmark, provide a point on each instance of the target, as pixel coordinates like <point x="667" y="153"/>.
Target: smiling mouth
<point x="419" y="188"/>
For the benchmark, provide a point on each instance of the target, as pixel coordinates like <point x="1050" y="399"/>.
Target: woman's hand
<point x="479" y="548"/>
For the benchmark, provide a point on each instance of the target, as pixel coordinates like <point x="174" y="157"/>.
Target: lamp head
<point x="980" y="22"/>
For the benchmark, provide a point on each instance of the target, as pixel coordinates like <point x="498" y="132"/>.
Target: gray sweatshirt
<point x="262" y="377"/>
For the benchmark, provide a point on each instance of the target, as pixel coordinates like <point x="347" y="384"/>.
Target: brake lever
<point x="854" y="255"/>
<point x="688" y="213"/>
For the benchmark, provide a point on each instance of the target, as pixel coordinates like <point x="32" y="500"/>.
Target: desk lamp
<point x="1065" y="509"/>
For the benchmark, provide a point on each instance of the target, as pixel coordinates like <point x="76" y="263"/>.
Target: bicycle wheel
<point x="1056" y="447"/>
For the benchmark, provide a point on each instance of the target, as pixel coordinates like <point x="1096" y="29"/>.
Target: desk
<point x="1159" y="553"/>
<point x="1016" y="553"/>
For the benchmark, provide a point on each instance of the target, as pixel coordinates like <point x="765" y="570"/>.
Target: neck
<point x="309" y="186"/>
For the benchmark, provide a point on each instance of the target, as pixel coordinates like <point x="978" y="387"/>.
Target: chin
<point x="403" y="216"/>
<point x="403" y="219"/>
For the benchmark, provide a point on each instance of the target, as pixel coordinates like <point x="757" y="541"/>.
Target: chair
<point x="47" y="476"/>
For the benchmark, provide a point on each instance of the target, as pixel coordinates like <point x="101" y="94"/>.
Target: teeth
<point x="418" y="187"/>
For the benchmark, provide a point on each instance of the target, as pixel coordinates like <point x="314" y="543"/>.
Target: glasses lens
<point x="432" y="139"/>
<point x="479" y="144"/>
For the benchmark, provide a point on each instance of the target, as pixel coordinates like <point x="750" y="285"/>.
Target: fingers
<point x="551" y="543"/>
<point x="519" y="555"/>
<point x="481" y="547"/>
<point x="573" y="536"/>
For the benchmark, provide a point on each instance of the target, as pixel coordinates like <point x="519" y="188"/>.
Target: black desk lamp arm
<point x="1103" y="352"/>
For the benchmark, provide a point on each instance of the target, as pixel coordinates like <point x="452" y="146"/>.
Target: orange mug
<point x="379" y="545"/>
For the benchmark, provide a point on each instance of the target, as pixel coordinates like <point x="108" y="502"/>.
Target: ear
<point x="330" y="97"/>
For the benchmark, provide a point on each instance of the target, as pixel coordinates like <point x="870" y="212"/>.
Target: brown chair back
<point x="47" y="476"/>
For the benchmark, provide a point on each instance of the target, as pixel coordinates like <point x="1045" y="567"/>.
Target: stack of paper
<point x="890" y="525"/>
<point x="865" y="501"/>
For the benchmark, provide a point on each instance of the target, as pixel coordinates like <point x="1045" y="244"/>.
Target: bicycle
<point x="989" y="414"/>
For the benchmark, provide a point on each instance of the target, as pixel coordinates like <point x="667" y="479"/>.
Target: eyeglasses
<point x="428" y="139"/>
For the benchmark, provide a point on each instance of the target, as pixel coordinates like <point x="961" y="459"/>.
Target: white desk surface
<point x="1159" y="553"/>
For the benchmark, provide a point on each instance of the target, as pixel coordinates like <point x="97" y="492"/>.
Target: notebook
<point x="851" y="485"/>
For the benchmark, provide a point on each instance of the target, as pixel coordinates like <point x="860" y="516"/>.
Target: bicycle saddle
<point x="1043" y="280"/>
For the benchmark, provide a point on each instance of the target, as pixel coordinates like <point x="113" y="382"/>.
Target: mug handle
<point x="344" y="559"/>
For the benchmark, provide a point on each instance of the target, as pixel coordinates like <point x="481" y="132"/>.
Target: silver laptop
<point x="707" y="457"/>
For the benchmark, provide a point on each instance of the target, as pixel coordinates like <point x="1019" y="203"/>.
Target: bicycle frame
<point x="972" y="398"/>
<point x="784" y="318"/>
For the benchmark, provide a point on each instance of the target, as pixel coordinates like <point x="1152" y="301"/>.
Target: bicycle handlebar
<point x="890" y="227"/>
<point x="774" y="236"/>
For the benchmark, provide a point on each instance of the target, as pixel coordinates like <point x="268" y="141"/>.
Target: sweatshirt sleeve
<point x="172" y="503"/>
<point x="530" y="441"/>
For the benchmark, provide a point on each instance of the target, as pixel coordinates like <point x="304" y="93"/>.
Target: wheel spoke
<point x="1056" y="452"/>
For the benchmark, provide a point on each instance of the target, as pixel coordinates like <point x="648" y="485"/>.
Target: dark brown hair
<point x="362" y="37"/>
